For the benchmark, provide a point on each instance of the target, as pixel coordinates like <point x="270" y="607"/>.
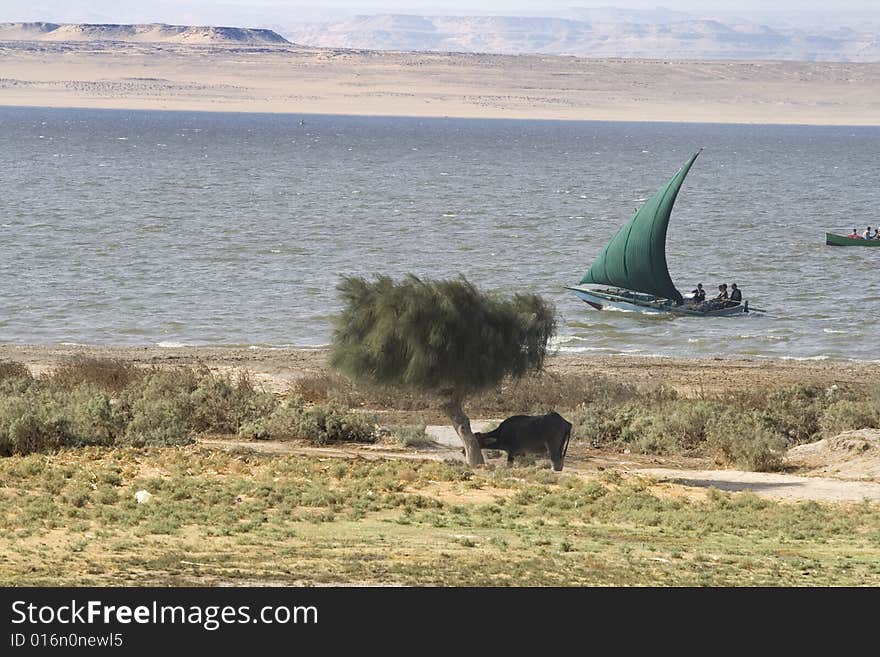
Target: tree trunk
<point x="462" y="425"/>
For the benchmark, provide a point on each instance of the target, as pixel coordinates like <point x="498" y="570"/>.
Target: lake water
<point x="185" y="228"/>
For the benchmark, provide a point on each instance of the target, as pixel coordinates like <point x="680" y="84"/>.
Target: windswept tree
<point x="445" y="338"/>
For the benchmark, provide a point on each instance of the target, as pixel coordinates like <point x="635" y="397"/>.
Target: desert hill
<point x="169" y="67"/>
<point x="149" y="33"/>
<point x="597" y="34"/>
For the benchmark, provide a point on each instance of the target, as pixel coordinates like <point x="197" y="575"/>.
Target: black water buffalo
<point x="521" y="434"/>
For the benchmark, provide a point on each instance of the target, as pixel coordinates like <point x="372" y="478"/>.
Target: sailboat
<point x="633" y="269"/>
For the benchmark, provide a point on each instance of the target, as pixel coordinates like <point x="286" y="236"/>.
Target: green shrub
<point x="40" y="417"/>
<point x="27" y="427"/>
<point x="674" y="427"/>
<point x="281" y="424"/>
<point x="636" y="424"/>
<point x="222" y="405"/>
<point x="846" y="415"/>
<point x="794" y="412"/>
<point x="744" y="440"/>
<point x="332" y="423"/>
<point x="412" y="435"/>
<point x="158" y="408"/>
<point x="93" y="416"/>
<point x="598" y="424"/>
<point x="686" y="423"/>
<point x="157" y="422"/>
<point x="320" y="424"/>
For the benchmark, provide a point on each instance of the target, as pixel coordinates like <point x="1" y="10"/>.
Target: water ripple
<point x="199" y="228"/>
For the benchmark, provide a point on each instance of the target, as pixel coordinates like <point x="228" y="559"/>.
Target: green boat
<point x="841" y="240"/>
<point x="633" y="269"/>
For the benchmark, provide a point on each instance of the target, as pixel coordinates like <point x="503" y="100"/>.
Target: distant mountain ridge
<point x="669" y="35"/>
<point x="598" y="33"/>
<point x="142" y="33"/>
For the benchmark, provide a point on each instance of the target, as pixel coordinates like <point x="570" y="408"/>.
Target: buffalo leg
<point x="555" y="452"/>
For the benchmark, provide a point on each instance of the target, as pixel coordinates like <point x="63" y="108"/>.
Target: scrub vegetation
<point x="747" y="429"/>
<point x="750" y="430"/>
<point x="96" y="402"/>
<point x="82" y="440"/>
<point x="110" y="403"/>
<point x="71" y="518"/>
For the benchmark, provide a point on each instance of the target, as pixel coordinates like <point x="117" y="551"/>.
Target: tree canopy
<point x="443" y="336"/>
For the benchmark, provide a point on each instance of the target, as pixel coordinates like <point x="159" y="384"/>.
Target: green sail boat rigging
<point x="633" y="264"/>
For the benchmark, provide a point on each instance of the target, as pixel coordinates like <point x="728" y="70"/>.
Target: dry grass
<point x="533" y="394"/>
<point x="70" y="518"/>
<point x="14" y="370"/>
<point x="109" y="374"/>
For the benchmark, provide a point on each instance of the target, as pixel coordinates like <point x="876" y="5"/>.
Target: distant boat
<point x="840" y="240"/>
<point x="633" y="265"/>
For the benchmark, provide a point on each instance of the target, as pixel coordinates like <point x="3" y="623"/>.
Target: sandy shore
<point x="301" y="80"/>
<point x="277" y="369"/>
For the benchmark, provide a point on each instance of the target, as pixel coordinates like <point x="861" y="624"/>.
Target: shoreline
<point x="338" y="81"/>
<point x="475" y="117"/>
<point x="279" y="368"/>
<point x="202" y="110"/>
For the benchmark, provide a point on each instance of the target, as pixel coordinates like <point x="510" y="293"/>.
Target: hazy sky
<point x="418" y="6"/>
<point x="532" y="7"/>
<point x="282" y="11"/>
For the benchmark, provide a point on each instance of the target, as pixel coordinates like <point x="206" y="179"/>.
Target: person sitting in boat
<point x="867" y="235"/>
<point x="718" y="301"/>
<point x="854" y="235"/>
<point x="698" y="295"/>
<point x="736" y="296"/>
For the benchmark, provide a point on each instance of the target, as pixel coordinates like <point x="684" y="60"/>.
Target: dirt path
<point x="777" y="486"/>
<point x="765" y="484"/>
<point x="585" y="462"/>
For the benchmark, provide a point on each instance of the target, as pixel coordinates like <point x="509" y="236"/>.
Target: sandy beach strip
<point x="302" y="80"/>
<point x="278" y="369"/>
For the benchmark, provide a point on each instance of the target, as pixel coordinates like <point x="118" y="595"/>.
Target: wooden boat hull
<point x="840" y="240"/>
<point x="644" y="303"/>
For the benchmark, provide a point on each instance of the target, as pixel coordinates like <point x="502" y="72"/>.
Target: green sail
<point x="635" y="258"/>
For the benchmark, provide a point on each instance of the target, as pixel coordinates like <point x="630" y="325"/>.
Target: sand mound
<point x="849" y="455"/>
<point x="150" y="33"/>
